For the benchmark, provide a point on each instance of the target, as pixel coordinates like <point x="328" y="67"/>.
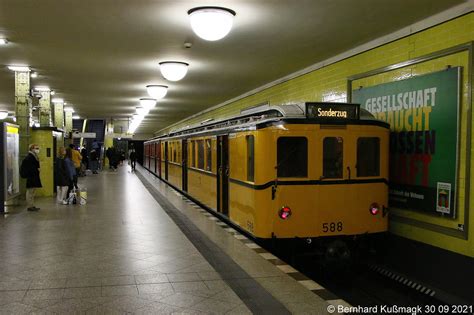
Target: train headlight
<point x="374" y="208"/>
<point x="284" y="213"/>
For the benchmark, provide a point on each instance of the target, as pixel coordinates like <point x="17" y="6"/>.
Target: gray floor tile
<point x="157" y="308"/>
<point x="155" y="288"/>
<point x="120" y="290"/>
<point x="85" y="292"/>
<point x="14" y="285"/>
<point x="46" y="294"/>
<point x="183" y="277"/>
<point x="83" y="282"/>
<point x="17" y="308"/>
<point x="118" y="280"/>
<point x="214" y="306"/>
<point x="182" y="300"/>
<point x="151" y="278"/>
<point x="129" y="304"/>
<point x="48" y="283"/>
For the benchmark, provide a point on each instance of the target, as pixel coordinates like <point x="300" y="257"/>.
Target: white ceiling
<point x="100" y="54"/>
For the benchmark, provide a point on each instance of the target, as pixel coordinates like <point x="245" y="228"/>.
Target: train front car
<point x="323" y="179"/>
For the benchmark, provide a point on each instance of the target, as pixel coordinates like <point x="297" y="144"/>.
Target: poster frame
<point x="462" y="231"/>
<point x="4" y="143"/>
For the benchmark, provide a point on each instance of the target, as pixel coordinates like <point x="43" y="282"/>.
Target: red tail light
<point x="284" y="213"/>
<point x="374" y="208"/>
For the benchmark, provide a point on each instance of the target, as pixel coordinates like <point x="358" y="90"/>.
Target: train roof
<point x="263" y="115"/>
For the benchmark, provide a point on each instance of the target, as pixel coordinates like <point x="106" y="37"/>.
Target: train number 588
<point x="332" y="227"/>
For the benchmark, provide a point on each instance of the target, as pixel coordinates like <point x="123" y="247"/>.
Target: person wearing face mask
<point x="30" y="169"/>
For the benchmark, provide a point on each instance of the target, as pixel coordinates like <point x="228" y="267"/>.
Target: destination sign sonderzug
<point x="332" y="111"/>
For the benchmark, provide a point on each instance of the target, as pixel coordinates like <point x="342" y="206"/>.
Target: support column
<point x="45" y="109"/>
<point x="23" y="109"/>
<point x="59" y="115"/>
<point x="23" y="114"/>
<point x="68" y="120"/>
<point x="108" y="138"/>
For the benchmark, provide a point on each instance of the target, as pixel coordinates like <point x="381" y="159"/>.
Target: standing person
<point x="30" y="169"/>
<point x="61" y="176"/>
<point x="71" y="171"/>
<point x="94" y="160"/>
<point x="109" y="155"/>
<point x="133" y="159"/>
<point x="85" y="159"/>
<point x="96" y="146"/>
<point x="76" y="159"/>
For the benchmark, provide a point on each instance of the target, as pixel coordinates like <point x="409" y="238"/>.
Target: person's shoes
<point x="65" y="202"/>
<point x="32" y="209"/>
<point x="36" y="208"/>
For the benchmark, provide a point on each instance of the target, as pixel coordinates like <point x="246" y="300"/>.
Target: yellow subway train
<point x="316" y="172"/>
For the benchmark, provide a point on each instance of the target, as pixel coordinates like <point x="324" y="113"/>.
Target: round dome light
<point x="211" y="23"/>
<point x="173" y="70"/>
<point x="3" y="114"/>
<point x="148" y="103"/>
<point x="157" y="91"/>
<point x="142" y="111"/>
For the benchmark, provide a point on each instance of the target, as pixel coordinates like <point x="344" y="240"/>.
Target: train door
<point x="184" y="163"/>
<point x="166" y="160"/>
<point x="223" y="174"/>
<point x="158" y="158"/>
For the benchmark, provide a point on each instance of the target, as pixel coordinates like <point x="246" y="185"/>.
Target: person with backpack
<point x="30" y="169"/>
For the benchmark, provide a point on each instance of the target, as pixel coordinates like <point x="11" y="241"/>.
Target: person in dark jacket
<point x="70" y="170"/>
<point x="30" y="169"/>
<point x="61" y="176"/>
<point x="94" y="161"/>
<point x="133" y="159"/>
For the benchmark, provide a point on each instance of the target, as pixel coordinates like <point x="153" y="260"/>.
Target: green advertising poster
<point x="423" y="114"/>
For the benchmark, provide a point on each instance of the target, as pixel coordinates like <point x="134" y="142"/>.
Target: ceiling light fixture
<point x="3" y="114"/>
<point x="148" y="103"/>
<point x="211" y="23"/>
<point x="157" y="91"/>
<point x="57" y="100"/>
<point x="3" y="41"/>
<point x="76" y="117"/>
<point x="34" y="74"/>
<point x="42" y="89"/>
<point x="52" y="92"/>
<point x="142" y="111"/>
<point x="173" y="70"/>
<point x="19" y="68"/>
<point x="69" y="109"/>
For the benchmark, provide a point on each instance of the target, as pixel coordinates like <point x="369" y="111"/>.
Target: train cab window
<point x="250" y="158"/>
<point x="368" y="157"/>
<point x="332" y="157"/>
<point x="292" y="157"/>
<point x="208" y="155"/>
<point x="200" y="144"/>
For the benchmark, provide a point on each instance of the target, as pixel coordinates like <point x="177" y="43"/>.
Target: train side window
<point x="200" y="145"/>
<point x="292" y="157"/>
<point x="368" y="157"/>
<point x="332" y="157"/>
<point x="208" y="155"/>
<point x="250" y="158"/>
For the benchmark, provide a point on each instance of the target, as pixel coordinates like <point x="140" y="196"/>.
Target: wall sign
<point x="423" y="113"/>
<point x="332" y="111"/>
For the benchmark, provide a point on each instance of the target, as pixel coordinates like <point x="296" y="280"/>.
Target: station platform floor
<point x="139" y="247"/>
